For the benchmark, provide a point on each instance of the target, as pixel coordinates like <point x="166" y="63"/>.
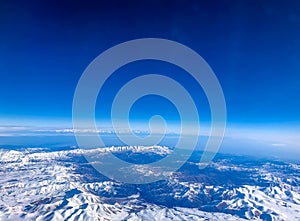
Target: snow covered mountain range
<point x="59" y="184"/>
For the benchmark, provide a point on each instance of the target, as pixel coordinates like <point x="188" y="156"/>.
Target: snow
<point x="40" y="185"/>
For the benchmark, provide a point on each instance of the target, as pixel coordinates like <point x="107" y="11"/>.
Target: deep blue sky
<point x="252" y="46"/>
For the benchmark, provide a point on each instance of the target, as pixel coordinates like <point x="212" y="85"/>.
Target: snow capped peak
<point x="43" y="184"/>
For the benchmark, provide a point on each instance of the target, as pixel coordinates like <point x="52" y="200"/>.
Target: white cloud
<point x="278" y="144"/>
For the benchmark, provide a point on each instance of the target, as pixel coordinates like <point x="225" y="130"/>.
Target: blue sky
<point x="252" y="46"/>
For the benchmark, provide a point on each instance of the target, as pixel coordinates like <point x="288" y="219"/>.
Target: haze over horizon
<point x="252" y="46"/>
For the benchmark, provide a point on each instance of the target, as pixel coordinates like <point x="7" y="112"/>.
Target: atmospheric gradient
<point x="150" y="110"/>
